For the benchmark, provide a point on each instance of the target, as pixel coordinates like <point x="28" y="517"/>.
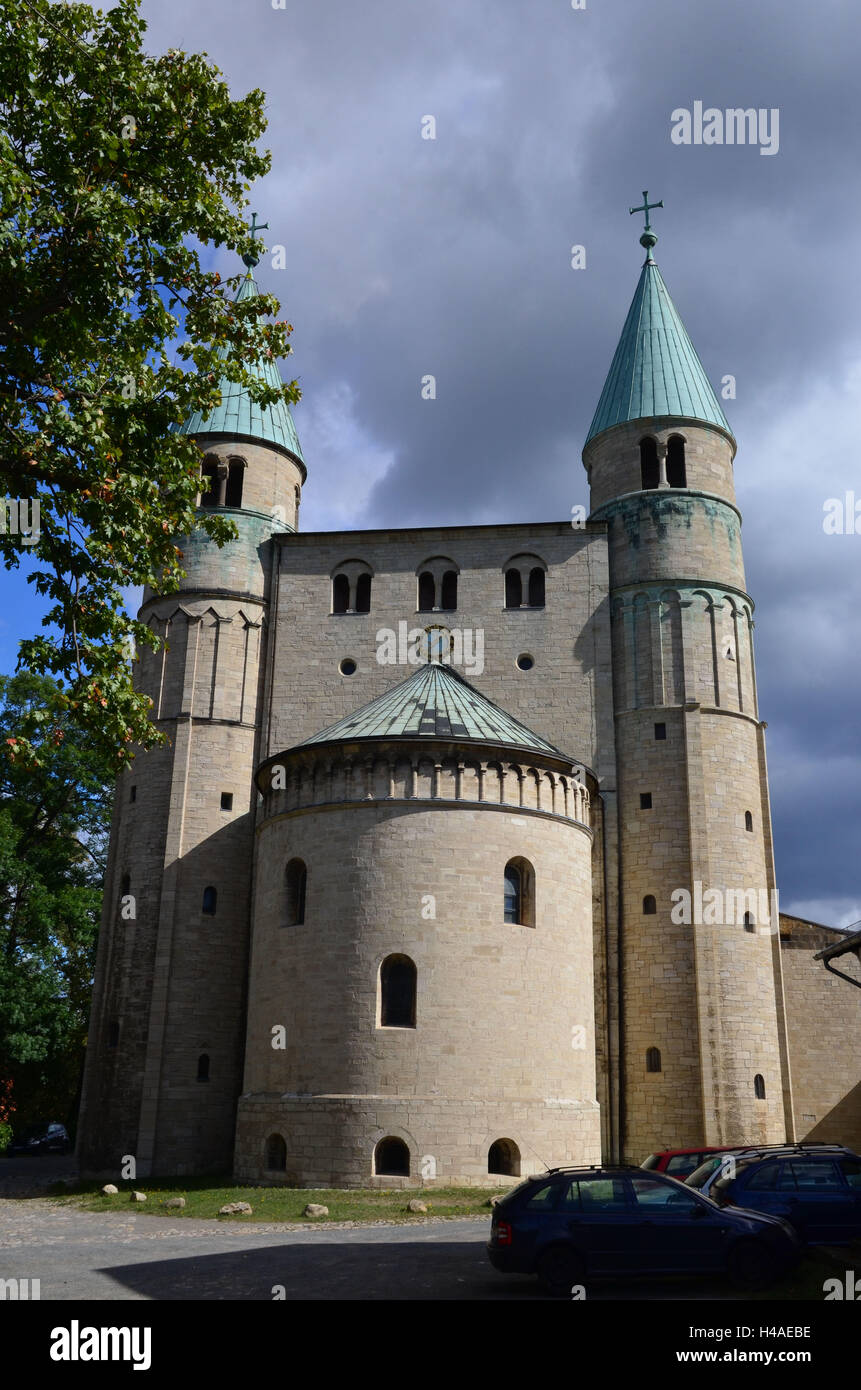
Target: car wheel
<point x="558" y="1269"/>
<point x="751" y="1265"/>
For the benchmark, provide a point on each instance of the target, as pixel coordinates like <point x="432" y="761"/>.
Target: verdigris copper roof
<point x="238" y="413"/>
<point x="655" y="370"/>
<point x="435" y="702"/>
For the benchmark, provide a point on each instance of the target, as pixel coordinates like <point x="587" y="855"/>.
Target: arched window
<point x="448" y="599"/>
<point x="235" y="476"/>
<point x="759" y="1086"/>
<point x="392" y="1158"/>
<point x="363" y="593"/>
<point x="650" y="907"/>
<point x="519" y="893"/>
<point x="295" y="880"/>
<point x="749" y="924"/>
<point x="653" y="1059"/>
<point x="340" y="593"/>
<point x="209" y="483"/>
<point x="536" y="588"/>
<point x="397" y="992"/>
<point x="649" y="473"/>
<point x="503" y="1157"/>
<point x="748" y="820"/>
<point x="210" y="901"/>
<point x="513" y="589"/>
<point x="276" y="1154"/>
<point x="203" y="1067"/>
<point x="427" y="592"/>
<point x="676" y="461"/>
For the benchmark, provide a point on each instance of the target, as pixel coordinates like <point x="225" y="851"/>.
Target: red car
<point x="678" y="1163"/>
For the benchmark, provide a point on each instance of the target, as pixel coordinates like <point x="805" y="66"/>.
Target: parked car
<point x="716" y="1164"/>
<point x="40" y="1139"/>
<point x="678" y="1163"/>
<point x="569" y="1224"/>
<point x="818" y="1191"/>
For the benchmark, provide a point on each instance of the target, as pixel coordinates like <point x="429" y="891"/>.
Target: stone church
<point x="458" y="860"/>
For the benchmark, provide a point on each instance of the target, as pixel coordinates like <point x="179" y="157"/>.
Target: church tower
<point x="164" y="1058"/>
<point x="702" y="1038"/>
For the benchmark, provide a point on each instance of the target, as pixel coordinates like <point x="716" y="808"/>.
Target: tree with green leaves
<point x="118" y="169"/>
<point x="54" y="822"/>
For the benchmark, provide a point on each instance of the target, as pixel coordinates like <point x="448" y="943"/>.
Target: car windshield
<point x="700" y="1175"/>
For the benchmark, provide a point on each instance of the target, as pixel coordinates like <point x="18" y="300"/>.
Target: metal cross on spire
<point x="255" y="227"/>
<point x="648" y="238"/>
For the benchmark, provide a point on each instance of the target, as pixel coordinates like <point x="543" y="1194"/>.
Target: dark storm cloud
<point x="452" y="257"/>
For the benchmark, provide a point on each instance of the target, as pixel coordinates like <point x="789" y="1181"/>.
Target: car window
<point x="648" y="1192"/>
<point x="544" y="1199"/>
<point x="650" y="1162"/>
<point x="682" y="1163"/>
<point x="851" y="1169"/>
<point x="595" y="1195"/>
<point x="700" y="1175"/>
<point x="764" y="1179"/>
<point x="815" y="1174"/>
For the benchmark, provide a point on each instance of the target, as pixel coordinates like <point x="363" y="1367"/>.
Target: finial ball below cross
<point x="255" y="227"/>
<point x="649" y="238"/>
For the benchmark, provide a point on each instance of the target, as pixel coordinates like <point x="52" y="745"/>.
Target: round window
<point x="347" y="666"/>
<point x="525" y="662"/>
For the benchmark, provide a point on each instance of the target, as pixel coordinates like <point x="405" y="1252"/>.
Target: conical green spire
<point x="238" y="414"/>
<point x="435" y="702"/>
<point x="655" y="370"/>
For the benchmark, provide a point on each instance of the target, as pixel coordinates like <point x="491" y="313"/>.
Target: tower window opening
<point x="363" y="593"/>
<point x="392" y="1158"/>
<point x="759" y="1086"/>
<point x="295" y="883"/>
<point x="676" y="475"/>
<point x="645" y="801"/>
<point x="340" y="594"/>
<point x="519" y="893"/>
<point x="649" y="473"/>
<point x="660" y="731"/>
<point x="749" y="924"/>
<point x="448" y="594"/>
<point x="748" y="820"/>
<point x="133" y="793"/>
<point x="125" y="885"/>
<point x="427" y="592"/>
<point x="536" y="588"/>
<point x="503" y="1158"/>
<point x="513" y="589"/>
<point x="203" y="1067"/>
<point x="210" y="901"/>
<point x="397" y="992"/>
<point x="227" y="801"/>
<point x="235" y="475"/>
<point x="114" y="1033"/>
<point x="276" y="1153"/>
<point x="653" y="1059"/>
<point x="650" y="906"/>
<point x="209" y="483"/>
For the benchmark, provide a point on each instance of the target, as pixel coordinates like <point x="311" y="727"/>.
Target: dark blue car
<point x="570" y="1223"/>
<point x="819" y="1193"/>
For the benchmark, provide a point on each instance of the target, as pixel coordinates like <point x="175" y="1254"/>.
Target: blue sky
<point x="452" y="256"/>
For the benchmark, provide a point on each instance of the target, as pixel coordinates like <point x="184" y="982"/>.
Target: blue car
<point x="568" y="1224"/>
<point x="818" y="1191"/>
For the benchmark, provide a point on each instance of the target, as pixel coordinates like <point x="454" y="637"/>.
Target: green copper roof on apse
<point x="655" y="370"/>
<point x="435" y="702"/>
<point x="238" y="413"/>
